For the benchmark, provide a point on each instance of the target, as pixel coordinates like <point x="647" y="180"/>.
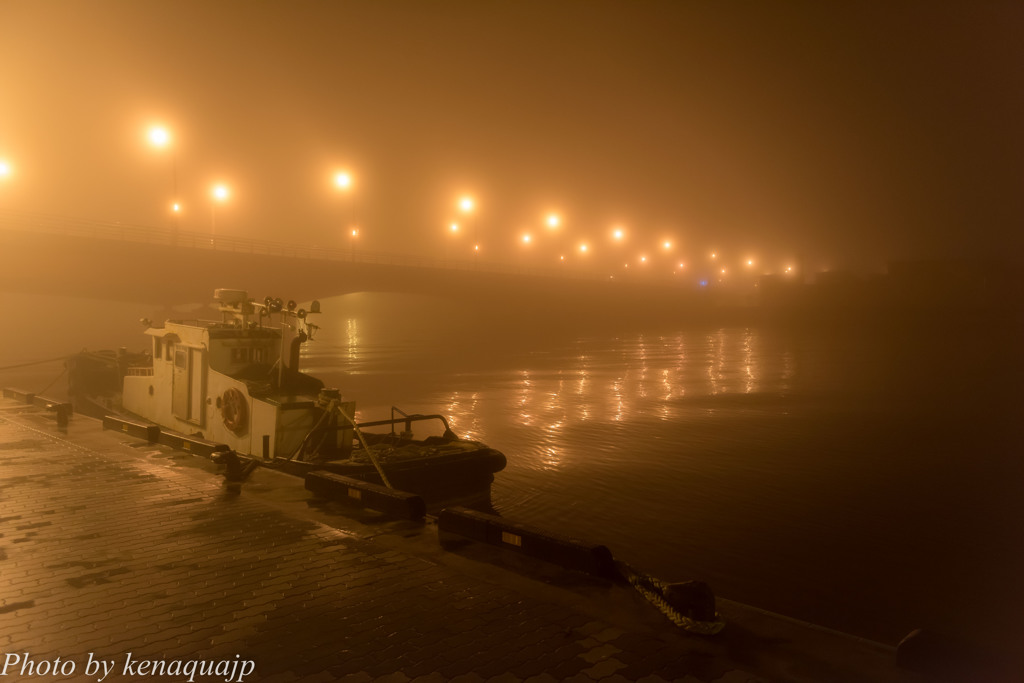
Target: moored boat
<point x="236" y="381"/>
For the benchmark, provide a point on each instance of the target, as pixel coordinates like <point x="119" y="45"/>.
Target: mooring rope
<point x="367" y="449"/>
<point x="35" y="362"/>
<point x="707" y="628"/>
<point x="46" y="388"/>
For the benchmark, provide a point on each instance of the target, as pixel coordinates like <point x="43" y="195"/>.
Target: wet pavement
<point x="129" y="561"/>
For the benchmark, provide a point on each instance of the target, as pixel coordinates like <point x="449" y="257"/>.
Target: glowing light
<point x="466" y="204"/>
<point x="176" y="207"/>
<point x="454" y="227"/>
<point x="476" y="247"/>
<point x="714" y="255"/>
<point x="750" y="262"/>
<point x="355" y="232"/>
<point x="618" y="234"/>
<point x="789" y="269"/>
<point x="5" y="169"/>
<point x="554" y="221"/>
<point x="723" y="271"/>
<point x="667" y="245"/>
<point x="561" y="258"/>
<point x="583" y="248"/>
<point x="682" y="265"/>
<point x="220" y="192"/>
<point x="643" y="259"/>
<point x="343" y="180"/>
<point x="526" y="238"/>
<point x="159" y="136"/>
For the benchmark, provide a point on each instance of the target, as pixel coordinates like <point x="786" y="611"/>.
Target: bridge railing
<point x="142" y="234"/>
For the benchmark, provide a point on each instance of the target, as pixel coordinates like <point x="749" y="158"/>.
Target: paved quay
<point x="129" y="561"/>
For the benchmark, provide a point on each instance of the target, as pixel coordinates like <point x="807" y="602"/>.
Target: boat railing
<point x="140" y="372"/>
<point x="405" y="419"/>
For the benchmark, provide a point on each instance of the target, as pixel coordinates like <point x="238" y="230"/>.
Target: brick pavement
<point x="107" y="549"/>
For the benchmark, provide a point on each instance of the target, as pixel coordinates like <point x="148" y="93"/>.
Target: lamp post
<point x="219" y="194"/>
<point x="160" y="138"/>
<point x="466" y="206"/>
<point x="343" y="182"/>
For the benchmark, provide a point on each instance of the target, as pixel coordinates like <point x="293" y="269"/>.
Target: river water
<point x="866" y="478"/>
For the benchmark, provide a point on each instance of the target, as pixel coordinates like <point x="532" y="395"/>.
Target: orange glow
<point x="176" y="207"/>
<point x="343" y="180"/>
<point x="750" y="262"/>
<point x="583" y="248"/>
<point x="667" y="245"/>
<point x="714" y="255"/>
<point x="5" y="169"/>
<point x="643" y="259"/>
<point x="682" y="265"/>
<point x="554" y="221"/>
<point x="159" y="136"/>
<point x="455" y="227"/>
<point x="618" y="234"/>
<point x="476" y="247"/>
<point x="355" y="232"/>
<point x="466" y="204"/>
<point x="220" y="192"/>
<point x="526" y="238"/>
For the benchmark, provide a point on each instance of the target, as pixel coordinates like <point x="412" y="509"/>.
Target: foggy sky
<point x="849" y="134"/>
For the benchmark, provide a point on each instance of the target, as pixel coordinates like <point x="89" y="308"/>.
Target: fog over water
<point x="736" y="287"/>
<point x="857" y="477"/>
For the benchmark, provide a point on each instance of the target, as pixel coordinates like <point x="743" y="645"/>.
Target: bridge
<point x="58" y="255"/>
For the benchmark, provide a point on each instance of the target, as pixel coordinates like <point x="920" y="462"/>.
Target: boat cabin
<point x="235" y="381"/>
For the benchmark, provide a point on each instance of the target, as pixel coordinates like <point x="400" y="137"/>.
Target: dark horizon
<point x="844" y="137"/>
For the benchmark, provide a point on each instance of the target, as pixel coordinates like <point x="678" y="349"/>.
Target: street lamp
<point x="219" y="193"/>
<point x="343" y="181"/>
<point x="466" y="205"/>
<point x="160" y="138"/>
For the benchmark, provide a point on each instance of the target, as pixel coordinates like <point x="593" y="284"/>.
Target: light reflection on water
<point x="775" y="465"/>
<point x="633" y="379"/>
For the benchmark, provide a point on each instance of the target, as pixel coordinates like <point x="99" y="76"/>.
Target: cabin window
<point x="156" y="348"/>
<point x="180" y="358"/>
<point x="239" y="355"/>
<point x="257" y="356"/>
<point x="170" y="351"/>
